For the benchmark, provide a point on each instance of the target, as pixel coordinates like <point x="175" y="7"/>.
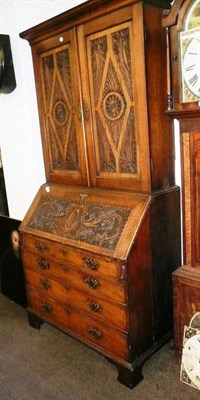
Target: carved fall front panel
<point x="112" y="95"/>
<point x="96" y="224"/>
<point x="59" y="110"/>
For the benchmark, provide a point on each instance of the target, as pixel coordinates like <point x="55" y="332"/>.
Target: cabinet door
<point x="58" y="91"/>
<point x="112" y="68"/>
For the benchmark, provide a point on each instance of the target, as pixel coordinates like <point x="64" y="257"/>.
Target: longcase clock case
<point x="102" y="236"/>
<point x="184" y="19"/>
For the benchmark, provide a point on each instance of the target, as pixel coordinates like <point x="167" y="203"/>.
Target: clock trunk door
<point x="196" y="204"/>
<point x="191" y="193"/>
<point x="60" y="109"/>
<point x="113" y="74"/>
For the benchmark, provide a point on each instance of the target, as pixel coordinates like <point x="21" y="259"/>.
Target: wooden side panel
<point x="166" y="253"/>
<point x="156" y="253"/>
<point x="139" y="280"/>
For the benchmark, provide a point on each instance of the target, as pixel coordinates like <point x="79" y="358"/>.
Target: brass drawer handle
<point x="46" y="308"/>
<point x="45" y="284"/>
<point x="92" y="283"/>
<point x="94" y="306"/>
<point x="68" y="310"/>
<point x="40" y="247"/>
<point x="95" y="333"/>
<point x="64" y="268"/>
<point x="43" y="264"/>
<point x="90" y="263"/>
<point x="63" y="252"/>
<point x="67" y="287"/>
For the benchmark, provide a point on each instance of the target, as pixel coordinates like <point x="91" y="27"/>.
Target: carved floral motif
<point x="60" y="112"/>
<point x="113" y="105"/>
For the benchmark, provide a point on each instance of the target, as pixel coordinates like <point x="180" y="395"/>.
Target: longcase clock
<point x="183" y="36"/>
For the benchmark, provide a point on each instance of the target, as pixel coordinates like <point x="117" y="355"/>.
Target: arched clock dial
<point x="190" y="65"/>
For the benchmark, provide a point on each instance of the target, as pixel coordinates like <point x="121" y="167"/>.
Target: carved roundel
<point x="60" y="112"/>
<point x="113" y="105"/>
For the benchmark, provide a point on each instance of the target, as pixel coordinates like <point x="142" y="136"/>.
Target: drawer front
<point x="85" y="281"/>
<point x="89" y="262"/>
<point x="71" y="320"/>
<point x="114" y="314"/>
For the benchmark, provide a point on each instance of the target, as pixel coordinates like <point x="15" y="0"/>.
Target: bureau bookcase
<point x="102" y="236"/>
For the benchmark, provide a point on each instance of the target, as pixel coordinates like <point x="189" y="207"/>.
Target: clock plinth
<point x="186" y="295"/>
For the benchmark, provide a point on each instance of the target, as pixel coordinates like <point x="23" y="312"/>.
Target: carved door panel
<point x="60" y="109"/>
<point x="111" y="55"/>
<point x="93" y="105"/>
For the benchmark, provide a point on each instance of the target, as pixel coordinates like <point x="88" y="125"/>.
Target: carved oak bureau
<point x="102" y="236"/>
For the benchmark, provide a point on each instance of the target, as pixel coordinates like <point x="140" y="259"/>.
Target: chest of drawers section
<point x="93" y="261"/>
<point x="78" y="292"/>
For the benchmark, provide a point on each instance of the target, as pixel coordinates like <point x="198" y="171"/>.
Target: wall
<point x="20" y="140"/>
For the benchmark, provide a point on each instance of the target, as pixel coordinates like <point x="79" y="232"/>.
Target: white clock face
<point x="190" y="65"/>
<point x="191" y="359"/>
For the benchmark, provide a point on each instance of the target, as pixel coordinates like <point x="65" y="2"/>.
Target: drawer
<point x="88" y="261"/>
<point x="84" y="281"/>
<point x="114" y="314"/>
<point x="65" y="317"/>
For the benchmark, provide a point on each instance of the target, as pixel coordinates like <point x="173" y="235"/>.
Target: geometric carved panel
<point x="113" y="102"/>
<point x="59" y="110"/>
